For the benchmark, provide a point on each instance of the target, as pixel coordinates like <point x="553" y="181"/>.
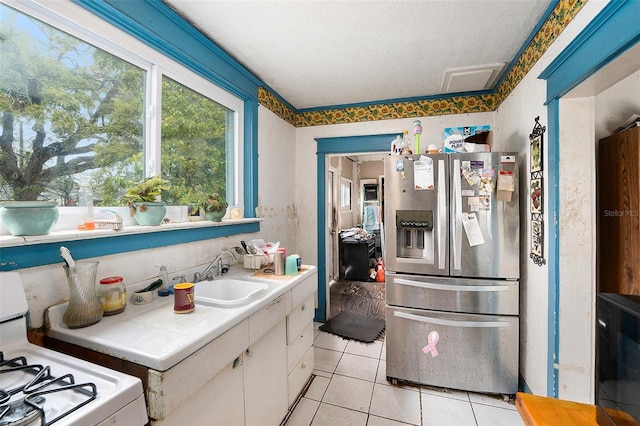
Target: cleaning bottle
<point x="380" y="271"/>
<point x="86" y="200"/>
<point x="396" y="145"/>
<point x="165" y="288"/>
<point x="406" y="143"/>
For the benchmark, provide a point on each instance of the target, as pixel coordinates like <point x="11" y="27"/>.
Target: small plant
<point x="214" y="204"/>
<point x="145" y="191"/>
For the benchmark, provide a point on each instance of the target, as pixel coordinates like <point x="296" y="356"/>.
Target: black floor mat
<point x="353" y="326"/>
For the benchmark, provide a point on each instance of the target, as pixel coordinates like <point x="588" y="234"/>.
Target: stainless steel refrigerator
<point x="452" y="246"/>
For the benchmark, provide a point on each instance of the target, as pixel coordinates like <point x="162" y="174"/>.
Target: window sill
<point x="37" y="250"/>
<point x="74" y="234"/>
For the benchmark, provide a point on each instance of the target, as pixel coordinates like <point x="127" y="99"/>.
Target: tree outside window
<point x="74" y="115"/>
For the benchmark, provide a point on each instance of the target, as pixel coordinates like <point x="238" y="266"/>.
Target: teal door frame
<point x="337" y="146"/>
<point x="613" y="31"/>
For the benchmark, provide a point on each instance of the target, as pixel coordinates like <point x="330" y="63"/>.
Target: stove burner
<point x="34" y="381"/>
<point x="19" y="413"/>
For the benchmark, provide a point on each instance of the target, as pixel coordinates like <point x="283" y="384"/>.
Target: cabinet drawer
<point x="306" y="288"/>
<point x="264" y="320"/>
<point x="299" y="346"/>
<point x="299" y="317"/>
<point x="300" y="375"/>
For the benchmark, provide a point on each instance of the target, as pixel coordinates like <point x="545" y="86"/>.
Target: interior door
<point x="332" y="224"/>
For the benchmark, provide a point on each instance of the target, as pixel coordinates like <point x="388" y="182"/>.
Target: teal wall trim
<point x="327" y="146"/>
<point x="613" y="31"/>
<point x="157" y="25"/>
<point x="250" y="157"/>
<point x="608" y="35"/>
<point x="28" y="256"/>
<point x="553" y="259"/>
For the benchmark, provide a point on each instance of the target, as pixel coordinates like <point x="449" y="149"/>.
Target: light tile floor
<point x="350" y="388"/>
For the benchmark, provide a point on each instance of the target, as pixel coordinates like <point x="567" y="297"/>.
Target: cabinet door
<point x="218" y="403"/>
<point x="265" y="378"/>
<point x="618" y="221"/>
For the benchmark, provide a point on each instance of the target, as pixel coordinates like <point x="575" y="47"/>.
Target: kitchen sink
<point x="228" y="292"/>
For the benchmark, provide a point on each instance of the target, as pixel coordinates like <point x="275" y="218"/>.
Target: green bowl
<point x="29" y="217"/>
<point x="150" y="213"/>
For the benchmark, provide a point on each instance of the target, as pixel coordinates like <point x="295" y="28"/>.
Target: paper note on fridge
<point x="506" y="182"/>
<point x="423" y="173"/>
<point x="472" y="229"/>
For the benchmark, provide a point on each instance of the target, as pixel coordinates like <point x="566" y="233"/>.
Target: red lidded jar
<point x="113" y="295"/>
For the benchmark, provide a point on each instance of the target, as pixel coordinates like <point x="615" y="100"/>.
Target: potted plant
<point x="141" y="199"/>
<point x="214" y="207"/>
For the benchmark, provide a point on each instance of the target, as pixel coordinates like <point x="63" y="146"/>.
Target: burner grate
<point x="29" y="383"/>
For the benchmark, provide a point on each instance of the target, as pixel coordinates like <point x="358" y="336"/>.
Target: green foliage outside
<point x="73" y="114"/>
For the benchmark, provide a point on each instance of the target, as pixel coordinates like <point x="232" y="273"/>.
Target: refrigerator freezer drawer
<point x="453" y="294"/>
<point x="477" y="353"/>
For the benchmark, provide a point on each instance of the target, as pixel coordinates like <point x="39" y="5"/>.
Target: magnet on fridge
<point x="399" y="165"/>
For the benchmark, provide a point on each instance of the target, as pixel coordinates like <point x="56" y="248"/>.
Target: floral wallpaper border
<point x="556" y="22"/>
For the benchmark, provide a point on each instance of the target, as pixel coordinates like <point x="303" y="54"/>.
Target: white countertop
<point x="154" y="336"/>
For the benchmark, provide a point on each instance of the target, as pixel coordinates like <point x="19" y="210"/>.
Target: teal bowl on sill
<point x="29" y="217"/>
<point x="150" y="213"/>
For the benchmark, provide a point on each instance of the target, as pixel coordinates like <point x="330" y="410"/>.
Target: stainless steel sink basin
<point x="228" y="292"/>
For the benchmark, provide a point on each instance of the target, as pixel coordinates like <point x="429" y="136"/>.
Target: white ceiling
<point x="318" y="53"/>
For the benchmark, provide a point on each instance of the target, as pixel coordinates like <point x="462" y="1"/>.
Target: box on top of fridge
<point x="467" y="139"/>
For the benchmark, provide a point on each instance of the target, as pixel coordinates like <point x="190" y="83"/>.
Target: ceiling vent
<point x="471" y="79"/>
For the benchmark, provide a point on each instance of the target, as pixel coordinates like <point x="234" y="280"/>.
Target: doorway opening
<point x="355" y="234"/>
<point x="328" y="211"/>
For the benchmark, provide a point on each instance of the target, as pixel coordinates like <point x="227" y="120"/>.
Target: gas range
<point x="39" y="386"/>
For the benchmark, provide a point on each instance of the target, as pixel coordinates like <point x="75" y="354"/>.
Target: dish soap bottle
<point x="86" y="199"/>
<point x="164" y="289"/>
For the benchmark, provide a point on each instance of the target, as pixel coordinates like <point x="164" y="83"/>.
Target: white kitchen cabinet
<point x="251" y="390"/>
<point x="220" y="402"/>
<point x="171" y="389"/>
<point x="299" y="318"/>
<point x="300" y="339"/>
<point x="299" y="375"/>
<point x="186" y="362"/>
<point x="265" y="319"/>
<point x="265" y="379"/>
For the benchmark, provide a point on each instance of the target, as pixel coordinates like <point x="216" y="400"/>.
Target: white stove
<point x="39" y="386"/>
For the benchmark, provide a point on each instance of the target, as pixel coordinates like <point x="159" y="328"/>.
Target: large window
<point x="78" y="110"/>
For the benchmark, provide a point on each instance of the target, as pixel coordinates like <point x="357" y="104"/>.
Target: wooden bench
<point x="542" y="411"/>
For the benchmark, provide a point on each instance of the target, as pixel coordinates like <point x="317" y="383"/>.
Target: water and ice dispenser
<point x="414" y="234"/>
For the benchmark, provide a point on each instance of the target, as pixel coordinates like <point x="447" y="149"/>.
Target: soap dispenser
<point x="165" y="288"/>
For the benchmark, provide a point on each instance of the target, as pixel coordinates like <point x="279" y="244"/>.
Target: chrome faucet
<point x="217" y="262"/>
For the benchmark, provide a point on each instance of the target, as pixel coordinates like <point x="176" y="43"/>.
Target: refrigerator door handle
<point x="456" y="228"/>
<point x="451" y="287"/>
<point x="451" y="323"/>
<point x="442" y="215"/>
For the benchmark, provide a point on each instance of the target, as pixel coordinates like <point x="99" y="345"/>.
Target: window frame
<point x="153" y="38"/>
<point x="348" y="185"/>
<point x="156" y="66"/>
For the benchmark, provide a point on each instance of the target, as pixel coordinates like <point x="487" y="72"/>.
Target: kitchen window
<point x="81" y="112"/>
<point x="345" y="195"/>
